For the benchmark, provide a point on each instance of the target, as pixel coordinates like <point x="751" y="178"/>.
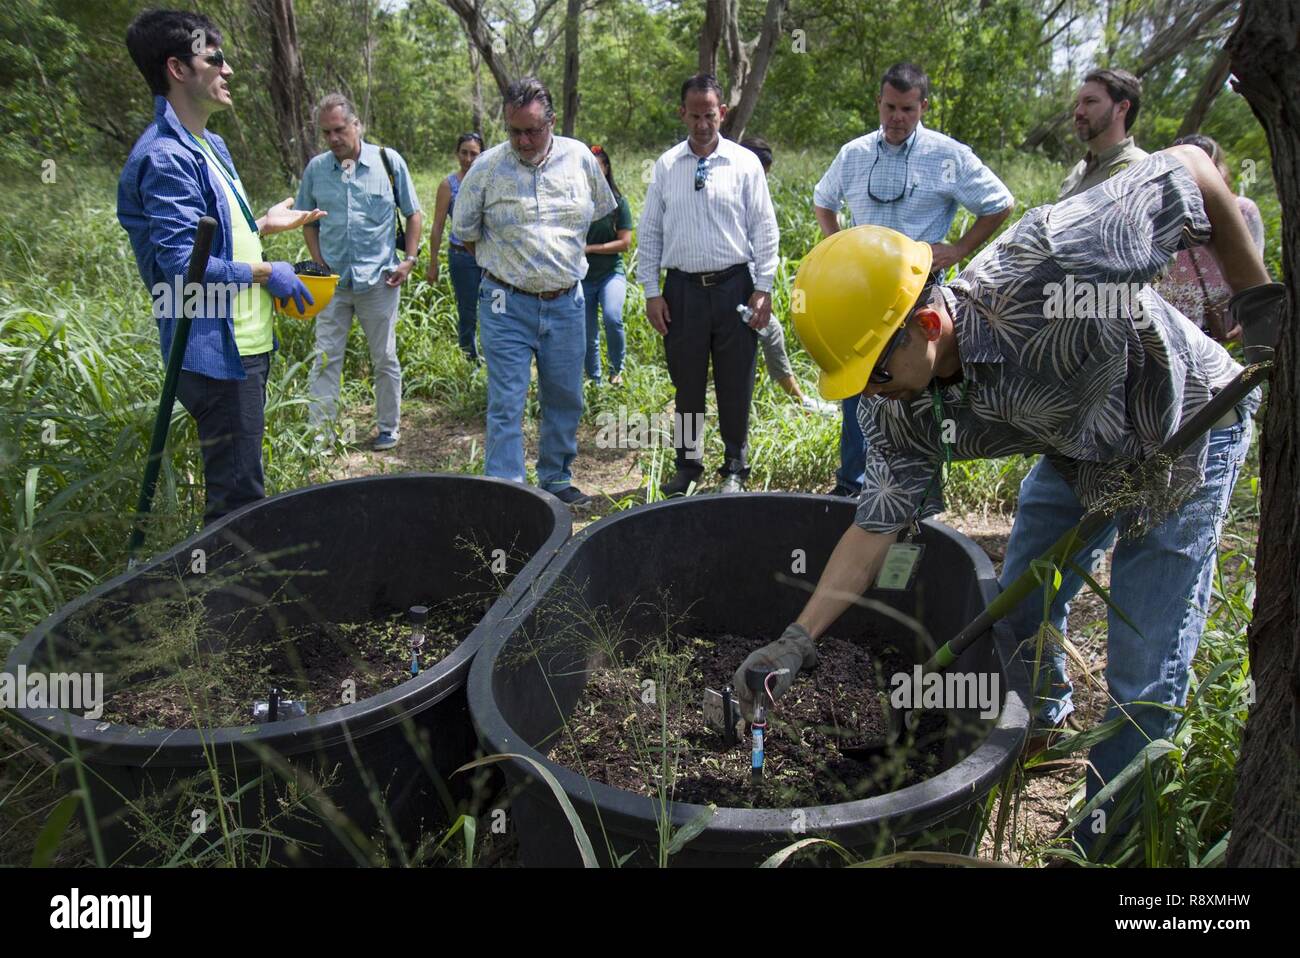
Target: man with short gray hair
<point x="523" y="210"/>
<point x="361" y="186"/>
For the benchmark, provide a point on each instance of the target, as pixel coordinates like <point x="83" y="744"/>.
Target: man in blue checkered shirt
<point x="910" y="179"/>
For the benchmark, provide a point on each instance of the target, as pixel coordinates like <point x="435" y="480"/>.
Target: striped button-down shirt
<point x="1066" y="350"/>
<point x="931" y="174"/>
<point x="729" y="221"/>
<point x="529" y="223"/>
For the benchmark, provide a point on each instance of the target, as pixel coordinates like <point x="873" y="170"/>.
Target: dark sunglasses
<point x="879" y="374"/>
<point x="701" y="172"/>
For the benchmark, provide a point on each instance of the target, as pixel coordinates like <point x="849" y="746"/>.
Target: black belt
<point x="548" y="295"/>
<point x="711" y="279"/>
<point x="457" y="246"/>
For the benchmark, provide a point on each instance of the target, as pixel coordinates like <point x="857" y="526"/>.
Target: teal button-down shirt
<point x="359" y="238"/>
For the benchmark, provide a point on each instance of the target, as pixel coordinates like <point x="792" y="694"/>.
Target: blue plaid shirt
<point x="165" y="187"/>
<point x="358" y="239"/>
<point x="930" y="173"/>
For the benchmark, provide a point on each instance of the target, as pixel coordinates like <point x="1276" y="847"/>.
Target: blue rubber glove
<point x="284" y="284"/>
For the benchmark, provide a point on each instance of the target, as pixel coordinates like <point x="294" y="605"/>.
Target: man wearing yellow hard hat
<point x="1033" y="349"/>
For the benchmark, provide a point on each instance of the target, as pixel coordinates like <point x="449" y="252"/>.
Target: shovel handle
<point x="194" y="274"/>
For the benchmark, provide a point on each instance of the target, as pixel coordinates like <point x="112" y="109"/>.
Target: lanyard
<point x="941" y="474"/>
<point x="230" y="179"/>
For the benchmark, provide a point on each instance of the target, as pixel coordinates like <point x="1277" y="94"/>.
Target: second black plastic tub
<point x="729" y="564"/>
<point x="338" y="784"/>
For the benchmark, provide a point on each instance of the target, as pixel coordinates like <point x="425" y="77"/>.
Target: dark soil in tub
<point x="616" y="736"/>
<point x="188" y="674"/>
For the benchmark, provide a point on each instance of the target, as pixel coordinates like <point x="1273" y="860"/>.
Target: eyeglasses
<point x="516" y="133"/>
<point x="217" y="58"/>
<point x="880" y="375"/>
<point x="701" y="172"/>
<point x="907" y="163"/>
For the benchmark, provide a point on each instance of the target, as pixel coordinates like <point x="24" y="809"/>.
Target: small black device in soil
<point x="277" y="708"/>
<point x="756" y="680"/>
<point x="418" y="615"/>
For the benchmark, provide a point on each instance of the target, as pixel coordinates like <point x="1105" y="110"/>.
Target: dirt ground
<point x="433" y="442"/>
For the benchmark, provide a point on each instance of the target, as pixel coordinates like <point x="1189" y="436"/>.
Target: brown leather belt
<point x="711" y="279"/>
<point x="548" y="295"/>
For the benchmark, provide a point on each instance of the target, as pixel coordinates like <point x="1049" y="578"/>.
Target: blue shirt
<point x="934" y="173"/>
<point x="165" y="187"/>
<point x="359" y="238"/>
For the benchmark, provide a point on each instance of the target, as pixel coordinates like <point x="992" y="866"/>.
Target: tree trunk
<point x="714" y="20"/>
<point x="571" y="13"/>
<point x="288" y="86"/>
<point x="1265" y="50"/>
<point x="739" y="116"/>
<point x="481" y="37"/>
<point x="1206" y="95"/>
<point x="477" y="73"/>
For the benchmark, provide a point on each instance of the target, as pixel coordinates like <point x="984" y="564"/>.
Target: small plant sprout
<point x="417" y="616"/>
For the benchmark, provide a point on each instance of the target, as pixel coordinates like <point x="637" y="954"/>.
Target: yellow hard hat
<point x="853" y="290"/>
<point x="321" y="289"/>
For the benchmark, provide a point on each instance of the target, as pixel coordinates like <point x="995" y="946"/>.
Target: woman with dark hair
<point x="605" y="285"/>
<point x="1195" y="285"/>
<point x="464" y="270"/>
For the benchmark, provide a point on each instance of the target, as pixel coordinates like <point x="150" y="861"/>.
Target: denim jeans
<point x="376" y="310"/>
<point x="230" y="417"/>
<point x="1161" y="581"/>
<point x="465" y="275"/>
<point x="515" y="328"/>
<point x="853" y="447"/>
<point x="608" y="293"/>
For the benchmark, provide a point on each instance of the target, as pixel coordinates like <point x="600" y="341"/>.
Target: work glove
<point x="1258" y="311"/>
<point x="284" y="284"/>
<point x="793" y="652"/>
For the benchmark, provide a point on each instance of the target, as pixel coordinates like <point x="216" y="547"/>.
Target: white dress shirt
<point x="729" y="221"/>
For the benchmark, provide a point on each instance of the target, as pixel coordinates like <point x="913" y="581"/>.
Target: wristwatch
<point x="411" y="259"/>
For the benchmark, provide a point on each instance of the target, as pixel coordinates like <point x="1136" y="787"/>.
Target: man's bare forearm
<point x="311" y="236"/>
<point x="851" y="569"/>
<point x="828" y="220"/>
<point x="980" y="231"/>
<point x="1230" y="240"/>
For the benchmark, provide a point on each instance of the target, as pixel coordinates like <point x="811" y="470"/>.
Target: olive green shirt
<point x="1092" y="170"/>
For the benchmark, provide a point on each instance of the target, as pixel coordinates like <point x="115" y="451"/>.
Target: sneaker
<point x="845" y="492"/>
<point x="385" y="440"/>
<point x="679" y="484"/>
<point x="732" y="482"/>
<point x="571" y="496"/>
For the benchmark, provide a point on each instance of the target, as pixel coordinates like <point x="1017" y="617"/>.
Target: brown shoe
<point x="1044" y="738"/>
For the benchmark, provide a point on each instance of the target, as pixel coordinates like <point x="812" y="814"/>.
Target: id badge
<point x="899" y="568"/>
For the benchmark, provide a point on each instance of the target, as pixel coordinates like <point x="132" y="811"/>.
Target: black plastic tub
<point x="341" y="552"/>
<point x="726" y="564"/>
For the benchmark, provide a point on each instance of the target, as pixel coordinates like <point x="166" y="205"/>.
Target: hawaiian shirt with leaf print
<point x="1066" y="350"/>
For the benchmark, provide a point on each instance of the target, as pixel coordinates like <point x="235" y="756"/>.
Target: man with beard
<point x="1104" y="112"/>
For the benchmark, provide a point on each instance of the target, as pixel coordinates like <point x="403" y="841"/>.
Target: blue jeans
<point x="853" y="447"/>
<point x="1162" y="582"/>
<point x="465" y="275"/>
<point x="514" y="328"/>
<point x="608" y="293"/>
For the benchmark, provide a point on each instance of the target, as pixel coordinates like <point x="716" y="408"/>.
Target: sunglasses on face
<point x="880" y="375"/>
<point x="216" y="58"/>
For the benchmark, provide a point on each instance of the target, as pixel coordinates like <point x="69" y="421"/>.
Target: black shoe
<point x="732" y="482"/>
<point x="678" y="484"/>
<point x="845" y="492"/>
<point x="572" y="496"/>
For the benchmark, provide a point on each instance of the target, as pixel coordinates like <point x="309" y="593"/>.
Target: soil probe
<point x="1259" y="319"/>
<point x="162" y="422"/>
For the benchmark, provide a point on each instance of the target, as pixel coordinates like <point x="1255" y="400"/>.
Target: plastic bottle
<point x="417" y="616"/>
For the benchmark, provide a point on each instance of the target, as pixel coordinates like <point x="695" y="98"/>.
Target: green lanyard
<point x="936" y="407"/>
<point x="229" y="178"/>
